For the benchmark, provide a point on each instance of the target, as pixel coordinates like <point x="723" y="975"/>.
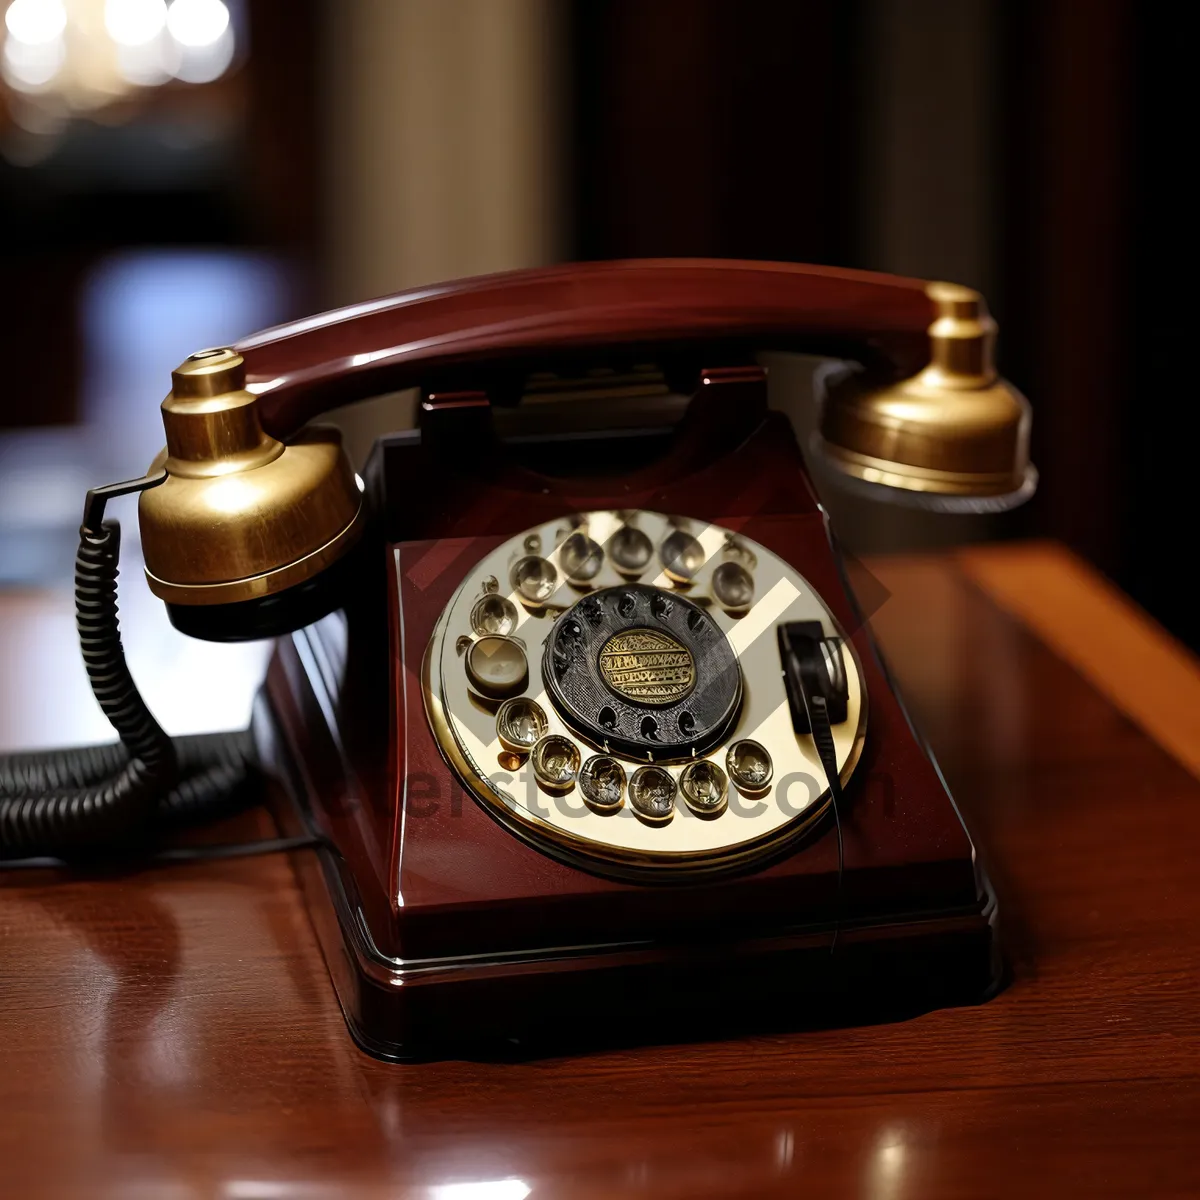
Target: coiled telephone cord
<point x="97" y="801"/>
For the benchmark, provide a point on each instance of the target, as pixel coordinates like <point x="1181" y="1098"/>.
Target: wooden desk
<point x="173" y="1033"/>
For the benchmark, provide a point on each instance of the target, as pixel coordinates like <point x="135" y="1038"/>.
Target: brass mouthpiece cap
<point x="955" y="429"/>
<point x="241" y="515"/>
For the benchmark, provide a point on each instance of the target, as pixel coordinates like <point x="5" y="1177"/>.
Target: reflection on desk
<point x="174" y="1032"/>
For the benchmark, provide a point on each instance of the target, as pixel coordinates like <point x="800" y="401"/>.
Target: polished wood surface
<point x="174" y="1032"/>
<point x="440" y="332"/>
<point x="1122" y="652"/>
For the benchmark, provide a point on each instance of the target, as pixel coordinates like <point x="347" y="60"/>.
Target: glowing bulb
<point x="197" y="23"/>
<point x="134" y="22"/>
<point x="36" y="22"/>
<point x="203" y="64"/>
<point x="203" y="35"/>
<point x="28" y="67"/>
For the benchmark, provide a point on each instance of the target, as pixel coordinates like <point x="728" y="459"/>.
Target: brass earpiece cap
<point x="241" y="515"/>
<point x="954" y="429"/>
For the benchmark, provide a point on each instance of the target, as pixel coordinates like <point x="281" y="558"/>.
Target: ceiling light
<point x="36" y="22"/>
<point x="134" y="22"/>
<point x="197" y="23"/>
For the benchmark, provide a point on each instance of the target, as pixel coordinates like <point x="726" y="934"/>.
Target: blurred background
<point x="175" y="175"/>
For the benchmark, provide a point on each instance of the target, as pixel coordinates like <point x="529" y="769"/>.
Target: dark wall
<point x="1160" y="431"/>
<point x="710" y="128"/>
<point x="1097" y="322"/>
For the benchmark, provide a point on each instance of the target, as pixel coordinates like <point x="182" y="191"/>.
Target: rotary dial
<point x="610" y="686"/>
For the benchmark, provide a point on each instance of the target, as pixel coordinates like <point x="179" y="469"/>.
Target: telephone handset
<point x="572" y="711"/>
<point x="255" y="505"/>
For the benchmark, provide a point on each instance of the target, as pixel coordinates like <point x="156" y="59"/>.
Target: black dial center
<point x="644" y="671"/>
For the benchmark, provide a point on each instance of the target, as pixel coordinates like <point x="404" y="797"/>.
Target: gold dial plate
<point x="748" y="826"/>
<point x="647" y="666"/>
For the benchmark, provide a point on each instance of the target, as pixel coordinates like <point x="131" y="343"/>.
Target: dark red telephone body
<point x="440" y="927"/>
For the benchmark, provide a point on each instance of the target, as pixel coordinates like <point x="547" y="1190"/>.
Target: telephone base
<point x="446" y="931"/>
<point x="554" y="1000"/>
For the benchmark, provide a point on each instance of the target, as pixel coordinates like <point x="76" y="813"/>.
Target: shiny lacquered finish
<point x="950" y="428"/>
<point x="444" y="920"/>
<point x="173" y="1032"/>
<point x="312" y="365"/>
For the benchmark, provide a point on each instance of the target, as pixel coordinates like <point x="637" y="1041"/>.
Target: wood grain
<point x="174" y="1033"/>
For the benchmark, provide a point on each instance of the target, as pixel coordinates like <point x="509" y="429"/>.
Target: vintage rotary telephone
<point x="580" y="710"/>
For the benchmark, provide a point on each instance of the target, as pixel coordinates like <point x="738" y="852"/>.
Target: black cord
<point x="278" y="845"/>
<point x="822" y="735"/>
<point x="97" y="801"/>
<point x="816" y="707"/>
